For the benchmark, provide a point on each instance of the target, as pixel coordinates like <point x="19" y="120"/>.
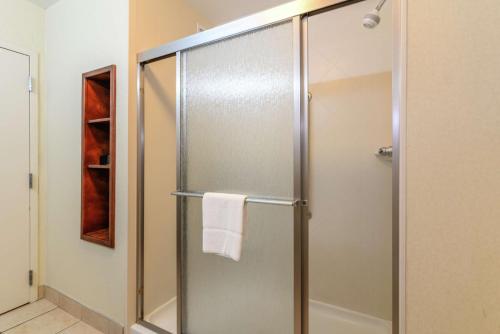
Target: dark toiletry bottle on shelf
<point x="104" y="159"/>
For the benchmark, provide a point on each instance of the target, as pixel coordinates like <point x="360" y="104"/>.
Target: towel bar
<point x="259" y="200"/>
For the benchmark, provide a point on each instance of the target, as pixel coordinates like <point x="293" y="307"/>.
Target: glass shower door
<point x="237" y="136"/>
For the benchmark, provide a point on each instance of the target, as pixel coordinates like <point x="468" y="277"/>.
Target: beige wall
<point x="82" y="36"/>
<point x="350" y="195"/>
<point x="160" y="226"/>
<point x="22" y="26"/>
<point x="152" y="23"/>
<point x="453" y="167"/>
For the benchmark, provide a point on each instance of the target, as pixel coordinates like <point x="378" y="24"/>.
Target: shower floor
<point x="323" y="319"/>
<point x="165" y="316"/>
<point x="331" y="319"/>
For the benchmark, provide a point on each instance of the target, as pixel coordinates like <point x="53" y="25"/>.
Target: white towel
<point x="224" y="219"/>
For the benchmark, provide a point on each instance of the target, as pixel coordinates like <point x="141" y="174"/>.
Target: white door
<point x="14" y="182"/>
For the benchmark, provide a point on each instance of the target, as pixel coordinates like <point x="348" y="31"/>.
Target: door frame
<point x="33" y="133"/>
<point x="399" y="98"/>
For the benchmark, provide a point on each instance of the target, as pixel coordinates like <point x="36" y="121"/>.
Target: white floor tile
<point x="51" y="322"/>
<point x="81" y="328"/>
<point x="24" y="313"/>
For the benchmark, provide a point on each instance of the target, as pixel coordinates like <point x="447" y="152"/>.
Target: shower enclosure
<point x="237" y="121"/>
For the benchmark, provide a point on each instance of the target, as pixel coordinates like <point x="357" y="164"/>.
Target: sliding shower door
<point x="248" y="94"/>
<point x="237" y="136"/>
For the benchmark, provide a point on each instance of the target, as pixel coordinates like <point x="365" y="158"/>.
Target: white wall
<point x="22" y="26"/>
<point x="453" y="167"/>
<point x="82" y="35"/>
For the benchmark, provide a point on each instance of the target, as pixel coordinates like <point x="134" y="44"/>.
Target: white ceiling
<point x="339" y="46"/>
<point x="44" y="3"/>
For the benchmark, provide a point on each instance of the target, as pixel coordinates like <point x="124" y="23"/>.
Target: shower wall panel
<point x="351" y="228"/>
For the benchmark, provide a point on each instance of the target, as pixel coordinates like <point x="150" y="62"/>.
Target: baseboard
<point x="79" y="311"/>
<point x="41" y="292"/>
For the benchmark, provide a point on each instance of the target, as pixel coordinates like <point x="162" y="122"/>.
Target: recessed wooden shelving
<point x="98" y="144"/>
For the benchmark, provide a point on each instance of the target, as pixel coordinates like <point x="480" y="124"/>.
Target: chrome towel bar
<point x="260" y="200"/>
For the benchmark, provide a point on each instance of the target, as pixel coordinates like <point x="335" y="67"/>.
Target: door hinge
<point x="30" y="84"/>
<point x="30" y="180"/>
<point x="30" y="277"/>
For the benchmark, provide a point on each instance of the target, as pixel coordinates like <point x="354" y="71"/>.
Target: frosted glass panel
<point x="237" y="113"/>
<point x="238" y="107"/>
<point x="252" y="296"/>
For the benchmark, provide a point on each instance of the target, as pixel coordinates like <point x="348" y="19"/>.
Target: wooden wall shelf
<point x="99" y="120"/>
<point x="99" y="166"/>
<point x="98" y="139"/>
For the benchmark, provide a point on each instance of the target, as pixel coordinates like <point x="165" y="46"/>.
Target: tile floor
<point x="42" y="317"/>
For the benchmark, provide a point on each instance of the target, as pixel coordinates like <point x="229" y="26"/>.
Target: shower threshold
<point x="324" y="319"/>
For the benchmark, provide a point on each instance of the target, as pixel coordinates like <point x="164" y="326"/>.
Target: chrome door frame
<point x="297" y="11"/>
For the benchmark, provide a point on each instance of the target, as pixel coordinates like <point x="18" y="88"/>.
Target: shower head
<point x="372" y="19"/>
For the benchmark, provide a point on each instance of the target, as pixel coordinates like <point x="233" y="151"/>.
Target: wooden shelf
<point x="98" y="181"/>
<point x="105" y="120"/>
<point x="99" y="166"/>
<point x="101" y="237"/>
<point x="101" y="234"/>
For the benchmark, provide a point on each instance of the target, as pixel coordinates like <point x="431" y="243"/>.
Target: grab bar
<point x="260" y="200"/>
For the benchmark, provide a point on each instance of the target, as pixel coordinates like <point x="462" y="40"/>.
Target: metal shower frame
<point x="297" y="12"/>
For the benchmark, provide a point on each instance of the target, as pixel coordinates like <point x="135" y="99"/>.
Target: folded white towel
<point x="224" y="220"/>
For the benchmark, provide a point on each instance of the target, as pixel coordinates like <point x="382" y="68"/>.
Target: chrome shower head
<point x="372" y="19"/>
